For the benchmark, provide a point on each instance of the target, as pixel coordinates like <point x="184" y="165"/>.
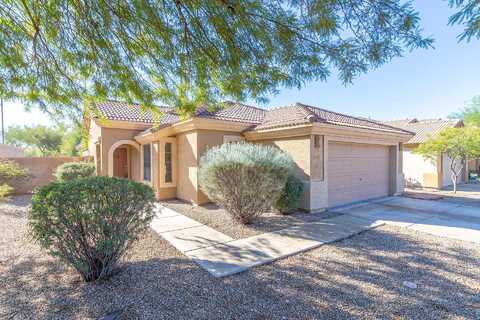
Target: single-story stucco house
<point x="418" y="171"/>
<point x="341" y="159"/>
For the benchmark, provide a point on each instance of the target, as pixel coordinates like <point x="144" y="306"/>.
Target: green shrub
<point x="5" y="190"/>
<point x="290" y="196"/>
<point x="90" y="223"/>
<point x="11" y="173"/>
<point x="75" y="170"/>
<point x="245" y="179"/>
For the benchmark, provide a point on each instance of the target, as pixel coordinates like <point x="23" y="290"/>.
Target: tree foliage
<point x="470" y="113"/>
<point x="458" y="144"/>
<point x="39" y="140"/>
<point x="468" y="16"/>
<point x="184" y="53"/>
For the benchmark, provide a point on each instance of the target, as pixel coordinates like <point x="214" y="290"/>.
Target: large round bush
<point x="90" y="223"/>
<point x="245" y="179"/>
<point x="75" y="170"/>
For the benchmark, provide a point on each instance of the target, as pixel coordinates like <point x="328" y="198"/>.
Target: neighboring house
<point x="341" y="159"/>
<point x="421" y="172"/>
<point x="9" y="151"/>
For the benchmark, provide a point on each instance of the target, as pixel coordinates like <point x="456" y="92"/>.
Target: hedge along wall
<point x="41" y="169"/>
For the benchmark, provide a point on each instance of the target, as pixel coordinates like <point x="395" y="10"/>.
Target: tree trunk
<point x="455" y="184"/>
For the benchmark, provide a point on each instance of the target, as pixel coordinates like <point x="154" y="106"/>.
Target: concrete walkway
<point x="184" y="233"/>
<point x="221" y="255"/>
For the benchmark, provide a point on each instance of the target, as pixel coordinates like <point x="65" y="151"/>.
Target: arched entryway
<point x="123" y="159"/>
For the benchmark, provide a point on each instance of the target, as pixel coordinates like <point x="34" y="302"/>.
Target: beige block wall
<point x="42" y="170"/>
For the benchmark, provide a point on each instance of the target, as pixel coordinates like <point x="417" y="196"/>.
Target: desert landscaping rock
<point x="357" y="278"/>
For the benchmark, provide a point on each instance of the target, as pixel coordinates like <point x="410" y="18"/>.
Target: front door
<point x="120" y="163"/>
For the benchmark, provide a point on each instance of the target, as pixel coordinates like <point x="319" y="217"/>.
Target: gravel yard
<point x="217" y="218"/>
<point x="360" y="277"/>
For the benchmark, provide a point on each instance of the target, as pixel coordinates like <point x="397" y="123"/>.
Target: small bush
<point x="11" y="173"/>
<point x="90" y="223"/>
<point x="75" y="170"/>
<point x="245" y="179"/>
<point x="5" y="190"/>
<point x="290" y="196"/>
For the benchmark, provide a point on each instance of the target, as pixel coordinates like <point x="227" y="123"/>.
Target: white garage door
<point x="356" y="172"/>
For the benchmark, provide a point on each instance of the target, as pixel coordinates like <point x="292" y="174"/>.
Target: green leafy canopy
<point x="470" y="113"/>
<point x="457" y="143"/>
<point x="185" y="53"/>
<point x="39" y="140"/>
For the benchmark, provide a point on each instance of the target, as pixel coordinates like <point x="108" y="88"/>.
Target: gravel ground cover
<point x="357" y="278"/>
<point x="217" y="218"/>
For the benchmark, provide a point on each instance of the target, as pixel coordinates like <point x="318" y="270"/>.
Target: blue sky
<point x="424" y="83"/>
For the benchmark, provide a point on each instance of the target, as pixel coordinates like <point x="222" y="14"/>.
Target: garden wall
<point x="41" y="169"/>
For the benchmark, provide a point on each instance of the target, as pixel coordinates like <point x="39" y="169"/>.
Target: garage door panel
<point x="357" y="172"/>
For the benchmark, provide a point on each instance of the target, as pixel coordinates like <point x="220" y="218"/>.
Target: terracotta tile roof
<point x="426" y="128"/>
<point x="285" y="117"/>
<point x="298" y="114"/>
<point x="260" y="119"/>
<point x="122" y="111"/>
<point x="234" y="111"/>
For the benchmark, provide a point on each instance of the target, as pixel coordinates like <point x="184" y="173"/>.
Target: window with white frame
<point x="147" y="162"/>
<point x="167" y="153"/>
<point x="168" y="162"/>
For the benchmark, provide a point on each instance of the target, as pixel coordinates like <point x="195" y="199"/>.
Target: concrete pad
<point x="164" y="212"/>
<point x="173" y="223"/>
<point x="455" y="229"/>
<point x="394" y="216"/>
<point x="239" y="255"/>
<point x="195" y="238"/>
<point x="466" y="212"/>
<point x="422" y="205"/>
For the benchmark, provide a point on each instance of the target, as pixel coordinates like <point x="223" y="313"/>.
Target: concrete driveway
<point x="442" y="218"/>
<point x="467" y="194"/>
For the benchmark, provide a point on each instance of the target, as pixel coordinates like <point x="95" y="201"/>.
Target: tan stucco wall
<point x="418" y="171"/>
<point x="41" y="170"/>
<point x="191" y="146"/>
<point x="299" y="148"/>
<point x="187" y="166"/>
<point x="167" y="193"/>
